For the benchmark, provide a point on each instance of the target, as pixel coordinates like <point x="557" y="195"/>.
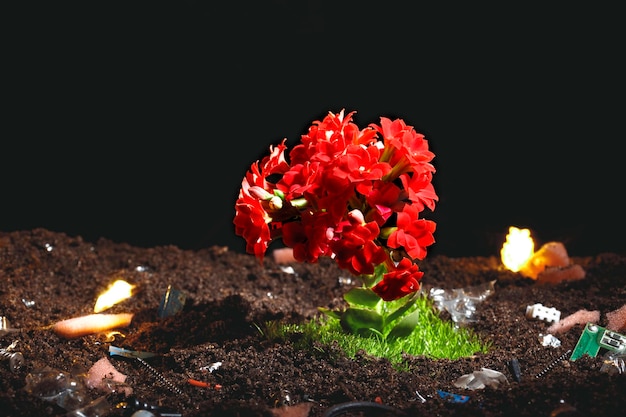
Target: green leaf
<point x="330" y="313"/>
<point x="405" y="326"/>
<point x="363" y="297"/>
<point x="361" y="321"/>
<point x="403" y="308"/>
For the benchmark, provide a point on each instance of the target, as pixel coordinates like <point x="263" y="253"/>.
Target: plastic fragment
<point x="480" y="379"/>
<point x="515" y="370"/>
<point x="549" y="340"/>
<point x="117" y="351"/>
<point x="105" y="377"/>
<point x="461" y="302"/>
<point x="59" y="387"/>
<point x="454" y="398"/>
<point x="540" y="312"/>
<point x="212" y="367"/>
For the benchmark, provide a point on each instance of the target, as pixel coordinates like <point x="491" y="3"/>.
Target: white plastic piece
<point x="549" y="340"/>
<point x="538" y="311"/>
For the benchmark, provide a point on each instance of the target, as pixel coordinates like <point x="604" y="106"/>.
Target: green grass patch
<point x="432" y="337"/>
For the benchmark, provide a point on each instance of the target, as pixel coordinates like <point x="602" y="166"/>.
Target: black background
<point x="136" y="121"/>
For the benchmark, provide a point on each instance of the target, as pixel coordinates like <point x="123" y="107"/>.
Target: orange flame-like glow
<point x="117" y="292"/>
<point x="517" y="249"/>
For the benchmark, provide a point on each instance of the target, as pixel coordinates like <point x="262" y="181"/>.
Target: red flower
<point x="399" y="282"/>
<point x="310" y="237"/>
<point x="412" y="233"/>
<point x="356" y="249"/>
<point x="251" y="222"/>
<point x="333" y="192"/>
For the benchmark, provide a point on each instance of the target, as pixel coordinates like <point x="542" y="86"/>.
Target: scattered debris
<point x="419" y="397"/>
<point x="549" y="340"/>
<point x="140" y="356"/>
<point x="28" y="303"/>
<point x="616" y="319"/>
<point x="159" y="376"/>
<point x="454" y="398"/>
<point x="116" y="351"/>
<point x="613" y="363"/>
<point x="212" y="367"/>
<point x="515" y="370"/>
<point x="594" y="337"/>
<point x="461" y="302"/>
<point x="66" y="390"/>
<point x="579" y="317"/>
<point x="15" y="359"/>
<point x="5" y="328"/>
<point x="103" y="376"/>
<point x="203" y="384"/>
<point x="552" y="364"/>
<point x="480" y="379"/>
<point x="172" y="303"/>
<point x="538" y="311"/>
<point x="287" y="269"/>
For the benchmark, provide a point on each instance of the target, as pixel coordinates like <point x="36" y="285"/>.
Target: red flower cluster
<point x="346" y="194"/>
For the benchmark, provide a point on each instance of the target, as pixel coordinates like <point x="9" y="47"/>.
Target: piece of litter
<point x="287" y="269"/>
<point x="540" y="312"/>
<point x="549" y="340"/>
<point x="212" y="367"/>
<point x="461" y="302"/>
<point x="172" y="303"/>
<point x="616" y="319"/>
<point x="613" y="363"/>
<point x="579" y="317"/>
<point x="594" y="337"/>
<point x="454" y="398"/>
<point x="480" y="379"/>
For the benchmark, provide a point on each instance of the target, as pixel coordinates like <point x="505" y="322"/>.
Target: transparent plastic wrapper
<point x="461" y="303"/>
<point x="67" y="391"/>
<point x="58" y="387"/>
<point x="481" y="379"/>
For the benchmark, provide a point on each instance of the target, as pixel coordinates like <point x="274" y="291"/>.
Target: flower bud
<point x="356" y="217"/>
<point x="276" y="203"/>
<point x="259" y="193"/>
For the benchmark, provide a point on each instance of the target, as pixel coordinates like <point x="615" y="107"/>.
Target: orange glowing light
<point x="118" y="291"/>
<point x="518" y="248"/>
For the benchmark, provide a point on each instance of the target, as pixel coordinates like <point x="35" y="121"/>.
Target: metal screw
<point x="16" y="359"/>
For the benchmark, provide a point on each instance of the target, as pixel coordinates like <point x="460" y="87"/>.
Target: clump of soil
<point x="47" y="277"/>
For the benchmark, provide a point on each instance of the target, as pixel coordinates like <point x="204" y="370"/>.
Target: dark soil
<point x="47" y="277"/>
